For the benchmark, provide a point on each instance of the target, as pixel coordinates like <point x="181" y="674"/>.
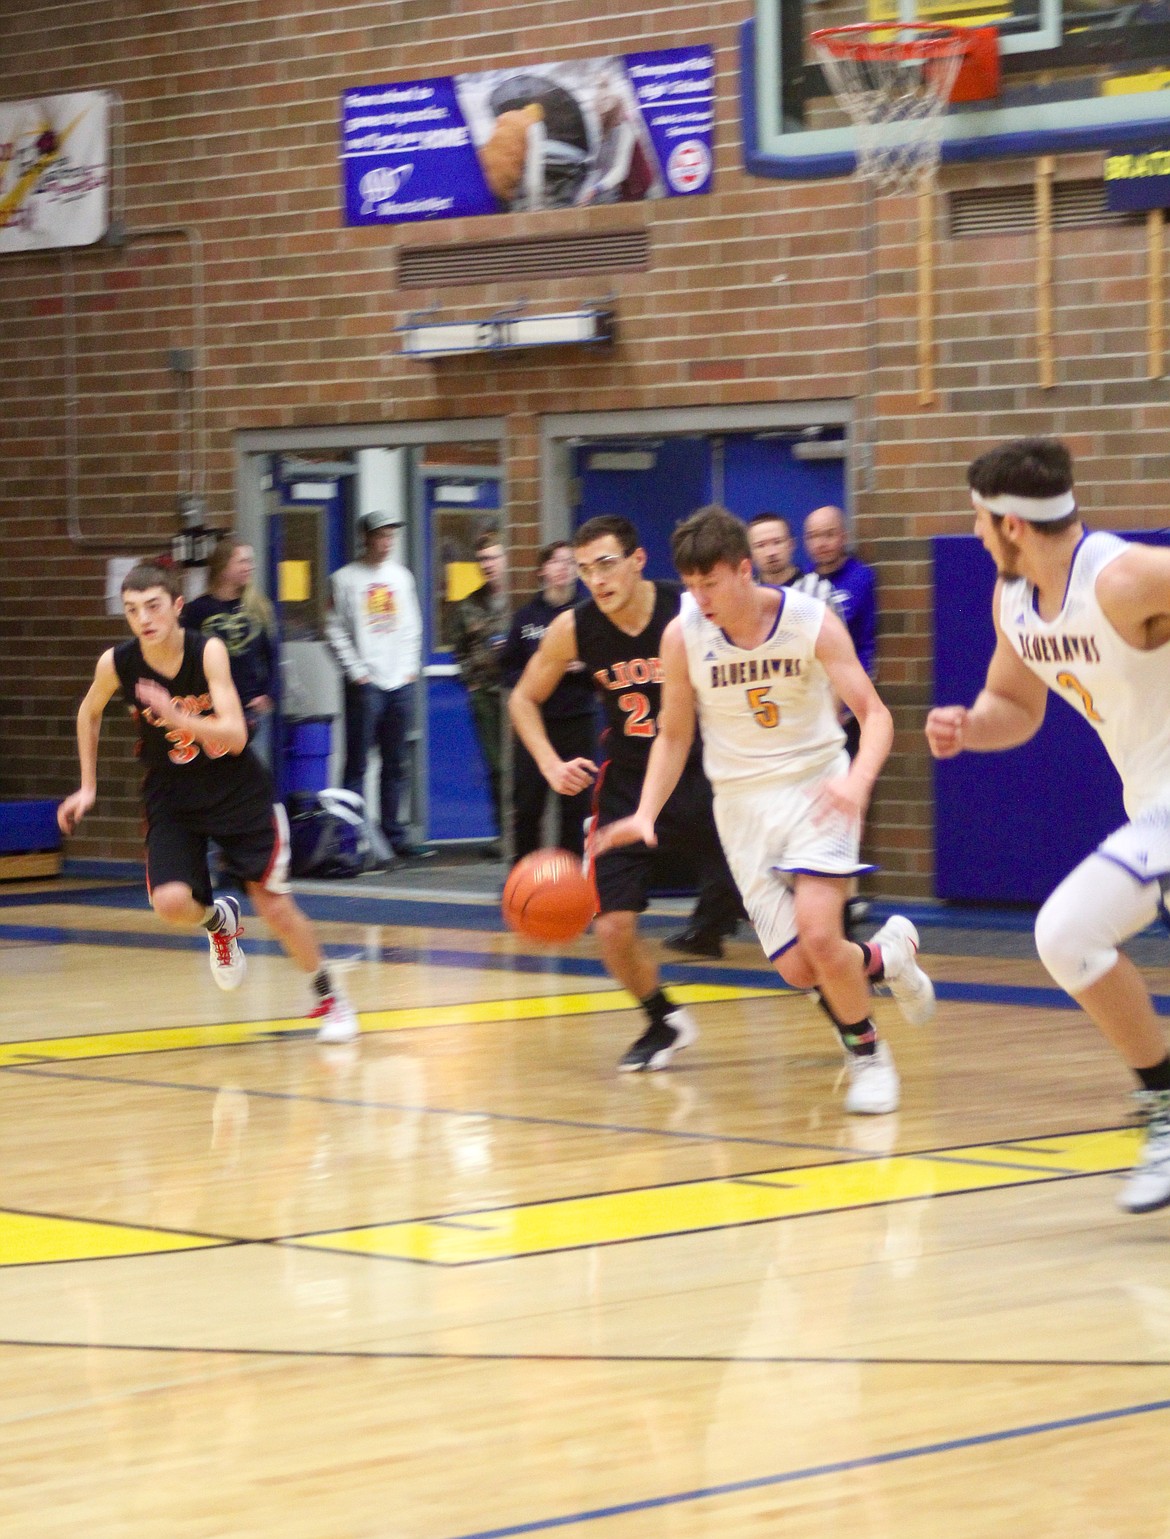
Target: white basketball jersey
<point x="1123" y="694"/>
<point x="767" y="712"/>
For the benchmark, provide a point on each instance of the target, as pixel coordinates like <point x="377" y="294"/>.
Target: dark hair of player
<point x="608" y="523"/>
<point x="1026" y="467"/>
<point x="149" y="574"/>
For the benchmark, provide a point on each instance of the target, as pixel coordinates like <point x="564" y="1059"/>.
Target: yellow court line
<point x="171" y="1039"/>
<point x="33" y="1239"/>
<point x="458" y="1239"/>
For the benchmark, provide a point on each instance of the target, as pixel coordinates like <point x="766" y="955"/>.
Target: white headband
<point x="1035" y="510"/>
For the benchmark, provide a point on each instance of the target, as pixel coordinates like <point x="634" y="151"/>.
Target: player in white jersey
<point x="1088" y="617"/>
<point x="762" y="669"/>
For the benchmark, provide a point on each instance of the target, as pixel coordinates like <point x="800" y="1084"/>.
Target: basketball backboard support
<point x="1076" y="75"/>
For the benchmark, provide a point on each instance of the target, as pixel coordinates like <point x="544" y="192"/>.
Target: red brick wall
<point x="754" y="294"/>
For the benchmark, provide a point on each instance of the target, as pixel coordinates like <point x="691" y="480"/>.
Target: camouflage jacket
<point x="479" y="633"/>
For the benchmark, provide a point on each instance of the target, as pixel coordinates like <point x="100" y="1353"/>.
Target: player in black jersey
<point x="616" y="634"/>
<point x="202" y="783"/>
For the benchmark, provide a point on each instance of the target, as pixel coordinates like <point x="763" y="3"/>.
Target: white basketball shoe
<point x="228" y="962"/>
<point x="874" y="1086"/>
<point x="1148" y="1186"/>
<point x="339" y="1022"/>
<point x="911" y="988"/>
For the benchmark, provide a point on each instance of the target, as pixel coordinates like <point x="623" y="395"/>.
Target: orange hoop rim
<point x="859" y="41"/>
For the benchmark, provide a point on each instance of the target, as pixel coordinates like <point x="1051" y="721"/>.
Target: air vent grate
<point x="555" y="256"/>
<point x="1010" y="210"/>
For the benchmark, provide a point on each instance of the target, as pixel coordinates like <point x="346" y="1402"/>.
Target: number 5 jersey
<point x="766" y="712"/>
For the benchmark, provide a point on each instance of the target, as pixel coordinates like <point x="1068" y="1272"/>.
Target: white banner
<point x="54" y="171"/>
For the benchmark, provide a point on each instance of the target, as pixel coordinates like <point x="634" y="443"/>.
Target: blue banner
<point x="1138" y="179"/>
<point x="613" y="130"/>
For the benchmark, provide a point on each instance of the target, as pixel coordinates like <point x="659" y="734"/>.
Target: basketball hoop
<point x="893" y="79"/>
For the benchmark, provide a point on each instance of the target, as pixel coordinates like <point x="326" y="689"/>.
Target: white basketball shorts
<point x="1142" y="847"/>
<point x="769" y="838"/>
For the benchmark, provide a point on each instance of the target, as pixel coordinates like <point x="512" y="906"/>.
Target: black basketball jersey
<point x="627" y="674"/>
<point x="182" y="775"/>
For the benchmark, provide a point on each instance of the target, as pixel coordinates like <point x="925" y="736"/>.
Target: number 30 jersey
<point x="1123" y="693"/>
<point x="182" y="776"/>
<point x="766" y="712"/>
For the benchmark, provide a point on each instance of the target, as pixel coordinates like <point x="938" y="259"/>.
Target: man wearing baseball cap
<point x="375" y="632"/>
<point x="1087" y="616"/>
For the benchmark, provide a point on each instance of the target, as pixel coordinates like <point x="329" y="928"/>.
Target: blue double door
<point x="658" y="482"/>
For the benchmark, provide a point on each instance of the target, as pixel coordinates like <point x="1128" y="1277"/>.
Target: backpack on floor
<point x="328" y="833"/>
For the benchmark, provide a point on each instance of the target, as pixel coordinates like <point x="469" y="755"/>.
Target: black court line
<point x="649" y="1239"/>
<point x="1050" y="1173"/>
<point x="117" y="1223"/>
<point x="45" y="1068"/>
<point x="665" y="1359"/>
<point x="948" y="1153"/>
<point x="217" y="1241"/>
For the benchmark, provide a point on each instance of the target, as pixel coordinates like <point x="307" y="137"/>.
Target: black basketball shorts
<point x="253" y="851"/>
<point x="687" y="840"/>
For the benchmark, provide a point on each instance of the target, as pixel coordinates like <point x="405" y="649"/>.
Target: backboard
<point x="1076" y="75"/>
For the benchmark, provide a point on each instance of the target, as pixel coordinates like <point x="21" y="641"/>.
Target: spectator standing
<point x="772" y="547"/>
<point x="233" y="609"/>
<point x="853" y="595"/>
<point x="849" y="587"/>
<point x="479" y="633"/>
<point x="569" y="712"/>
<point x="375" y="632"/>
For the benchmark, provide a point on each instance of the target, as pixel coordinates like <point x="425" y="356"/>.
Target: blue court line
<point x="522" y="962"/>
<point x="442" y="913"/>
<point x="366" y="907"/>
<point x="1018" y="995"/>
<point x="816" y="1471"/>
<point x="107" y="896"/>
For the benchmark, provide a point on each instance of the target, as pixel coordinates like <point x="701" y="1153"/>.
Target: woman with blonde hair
<point x="233" y="609"/>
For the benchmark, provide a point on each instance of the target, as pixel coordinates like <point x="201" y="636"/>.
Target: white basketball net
<point x="895" y="102"/>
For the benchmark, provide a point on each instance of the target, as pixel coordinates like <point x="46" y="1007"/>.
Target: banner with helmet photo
<point x="54" y="171"/>
<point x="618" y="129"/>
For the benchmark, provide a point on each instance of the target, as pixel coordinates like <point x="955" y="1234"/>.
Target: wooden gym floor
<point x="462" y="1279"/>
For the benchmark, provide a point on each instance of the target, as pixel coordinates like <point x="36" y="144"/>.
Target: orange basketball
<point x="547" y="898"/>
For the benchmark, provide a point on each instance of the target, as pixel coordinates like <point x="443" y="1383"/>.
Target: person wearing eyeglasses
<point x="616" y="634"/>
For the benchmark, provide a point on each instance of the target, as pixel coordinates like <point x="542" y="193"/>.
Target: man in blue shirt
<point x="846" y="583"/>
<point x="853" y="595"/>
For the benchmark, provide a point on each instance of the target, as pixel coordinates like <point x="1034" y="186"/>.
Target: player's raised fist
<point x="946" y="730"/>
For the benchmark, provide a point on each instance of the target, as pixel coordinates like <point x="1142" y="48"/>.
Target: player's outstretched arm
<point x="544" y="671"/>
<point x="89" y="727"/>
<point x="836" y="654"/>
<point x="1008" y="710"/>
<point x="668" y="754"/>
